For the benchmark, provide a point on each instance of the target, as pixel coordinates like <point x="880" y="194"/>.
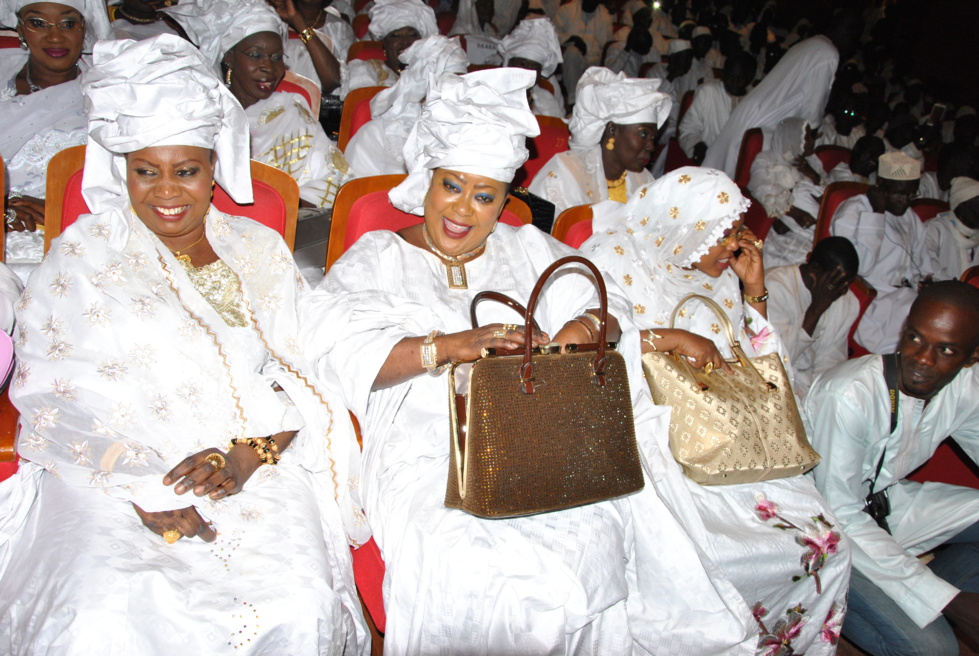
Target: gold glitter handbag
<point x="735" y="428"/>
<point x="536" y="430"/>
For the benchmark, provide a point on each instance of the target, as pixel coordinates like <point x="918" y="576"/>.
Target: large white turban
<point x="96" y="19"/>
<point x="534" y="39"/>
<point x="158" y="92"/>
<point x="425" y="58"/>
<point x="963" y="189"/>
<point x="390" y="15"/>
<point x="217" y="26"/>
<point x="476" y="123"/>
<point x="604" y="96"/>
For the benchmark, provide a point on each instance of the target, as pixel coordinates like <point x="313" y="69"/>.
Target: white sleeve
<point x="831" y="347"/>
<point x="864" y="229"/>
<point x="690" y="132"/>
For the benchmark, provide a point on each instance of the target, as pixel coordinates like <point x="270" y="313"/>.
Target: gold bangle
<point x="757" y="299"/>
<point x="430" y="354"/>
<point x="265" y="447"/>
<point x="649" y="339"/>
<point x="595" y="320"/>
<point x="306" y="35"/>
<point x="591" y="333"/>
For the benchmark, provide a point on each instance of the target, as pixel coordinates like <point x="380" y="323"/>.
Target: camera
<point x="878" y="506"/>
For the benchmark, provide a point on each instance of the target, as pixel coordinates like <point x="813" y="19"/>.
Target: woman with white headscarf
<point x="775" y="541"/>
<point x="589" y="580"/>
<point x="790" y="188"/>
<point x="41" y="108"/>
<point x="396" y="24"/>
<point x="244" y="41"/>
<point x="534" y="45"/>
<point x="613" y="132"/>
<point x="377" y="147"/>
<point x="163" y="400"/>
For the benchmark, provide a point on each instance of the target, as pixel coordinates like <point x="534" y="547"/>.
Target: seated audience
<point x="585" y="26"/>
<point x="594" y="579"/>
<point x="954" y="160"/>
<point x="813" y="309"/>
<point x="613" y="130"/>
<point x="634" y="47"/>
<point x="534" y="45"/>
<point x="953" y="237"/>
<point x="890" y="240"/>
<point x="706" y="58"/>
<point x="902" y="133"/>
<point x="863" y="162"/>
<point x="873" y="428"/>
<point x="156" y="330"/>
<point x="678" y="70"/>
<point x="377" y="147"/>
<point x="844" y="125"/>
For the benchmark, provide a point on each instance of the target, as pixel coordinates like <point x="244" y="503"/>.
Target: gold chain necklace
<point x="180" y="255"/>
<point x="455" y="265"/>
<point x="616" y="188"/>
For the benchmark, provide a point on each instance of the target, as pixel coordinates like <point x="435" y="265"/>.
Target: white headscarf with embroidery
<point x="391" y="15"/>
<point x="605" y="97"/>
<point x="534" y="39"/>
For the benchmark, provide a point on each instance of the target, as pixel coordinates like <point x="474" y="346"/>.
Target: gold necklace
<point x="455" y="265"/>
<point x="181" y="257"/>
<point x="616" y="188"/>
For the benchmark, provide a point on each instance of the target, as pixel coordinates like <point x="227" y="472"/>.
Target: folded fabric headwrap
<point x="678" y="45"/>
<point x="605" y="97"/>
<point x="158" y="92"/>
<point x="217" y="26"/>
<point x="96" y="19"/>
<point x="963" y="189"/>
<point x="534" y="39"/>
<point x="475" y="123"/>
<point x="425" y="58"/>
<point x="898" y="166"/>
<point x="390" y="15"/>
<point x="700" y="30"/>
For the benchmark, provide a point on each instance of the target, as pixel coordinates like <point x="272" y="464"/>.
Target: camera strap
<point x="890" y="379"/>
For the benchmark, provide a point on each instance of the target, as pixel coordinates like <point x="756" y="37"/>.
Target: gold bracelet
<point x="430" y="354"/>
<point x="306" y="35"/>
<point x="649" y="339"/>
<point x="591" y="333"/>
<point x="595" y="321"/>
<point x="757" y="299"/>
<point x="265" y="447"/>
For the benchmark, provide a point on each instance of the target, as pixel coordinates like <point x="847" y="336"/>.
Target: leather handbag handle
<point x="499" y="298"/>
<point x="598" y="364"/>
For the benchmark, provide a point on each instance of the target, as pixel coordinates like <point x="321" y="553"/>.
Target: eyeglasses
<point x="732" y="237"/>
<point x="256" y="56"/>
<point x="910" y="195"/>
<point x="41" y="26"/>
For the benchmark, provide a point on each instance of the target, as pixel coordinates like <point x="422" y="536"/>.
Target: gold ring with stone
<point x="759" y="244"/>
<point x="708" y="368"/>
<point x="499" y="334"/>
<point x="172" y="535"/>
<point x="217" y="461"/>
<point x="509" y="326"/>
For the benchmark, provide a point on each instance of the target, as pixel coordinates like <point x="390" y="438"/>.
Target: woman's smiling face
<point x="461" y="210"/>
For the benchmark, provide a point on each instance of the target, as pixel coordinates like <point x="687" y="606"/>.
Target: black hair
<point x="832" y="252"/>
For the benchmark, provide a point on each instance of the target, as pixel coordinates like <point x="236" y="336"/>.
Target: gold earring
<point x="609" y="145"/>
<point x="227" y="78"/>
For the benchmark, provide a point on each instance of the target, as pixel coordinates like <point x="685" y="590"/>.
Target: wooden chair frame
<point x="568" y="218"/>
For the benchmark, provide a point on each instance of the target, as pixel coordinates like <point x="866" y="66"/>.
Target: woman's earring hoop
<point x="227" y="78"/>
<point x="23" y="43"/>
<point x="610" y="144"/>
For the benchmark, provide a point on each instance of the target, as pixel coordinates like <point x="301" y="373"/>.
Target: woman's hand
<point x="468" y="345"/>
<point x="803" y="166"/>
<point x="287" y="11"/>
<point x="802" y="217"/>
<point x="748" y="265"/>
<point x="698" y="350"/>
<point x="186" y="520"/>
<point x="203" y="477"/>
<point x="30" y="213"/>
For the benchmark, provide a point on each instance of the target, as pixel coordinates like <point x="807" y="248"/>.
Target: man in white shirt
<point x="897" y="604"/>
<point x="890" y="240"/>
<point x="953" y="237"/>
<point x="863" y="162"/>
<point x="813" y="309"/>
<point x="712" y="105"/>
<point x="588" y="24"/>
<point x="954" y="160"/>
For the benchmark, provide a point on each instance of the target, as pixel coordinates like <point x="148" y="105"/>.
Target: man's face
<point x="968" y="213"/>
<point x="938" y="340"/>
<point x="898" y="194"/>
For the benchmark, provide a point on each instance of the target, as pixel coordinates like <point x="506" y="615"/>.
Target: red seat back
<point x="928" y="208"/>
<point x="830" y="156"/>
<point x="752" y="143"/>
<point x="553" y="139"/>
<point x="949" y="464"/>
<point x="675" y="157"/>
<point x="833" y="196"/>
<point x="756" y="218"/>
<point x="865" y="295"/>
<point x="578" y="234"/>
<point x="971" y="276"/>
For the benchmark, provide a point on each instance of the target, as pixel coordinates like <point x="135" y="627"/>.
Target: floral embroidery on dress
<point x="832" y="626"/>
<point x="778" y="640"/>
<point x="819" y="538"/>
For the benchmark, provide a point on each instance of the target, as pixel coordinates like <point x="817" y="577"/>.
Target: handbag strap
<point x="890" y="378"/>
<point x="499" y="297"/>
<point x="598" y="363"/>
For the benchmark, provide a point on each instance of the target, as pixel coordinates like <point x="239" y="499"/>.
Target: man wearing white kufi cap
<point x="377" y="147"/>
<point x="613" y="129"/>
<point x="533" y="44"/>
<point x="576" y="581"/>
<point x="890" y="239"/>
<point x="396" y="24"/>
<point x="160" y="365"/>
<point x="953" y="236"/>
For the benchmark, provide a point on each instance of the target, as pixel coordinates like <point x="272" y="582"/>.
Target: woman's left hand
<point x="203" y="477"/>
<point x="749" y="266"/>
<point x="30" y="213"/>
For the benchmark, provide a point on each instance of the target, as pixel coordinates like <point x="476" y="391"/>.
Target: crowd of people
<point x="207" y="432"/>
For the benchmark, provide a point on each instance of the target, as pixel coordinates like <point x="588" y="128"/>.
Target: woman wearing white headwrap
<point x="953" y="236"/>
<point x="533" y="45"/>
<point x="613" y="131"/>
<point x="789" y="187"/>
<point x="396" y="24"/>
<point x="245" y="39"/>
<point x="590" y="580"/>
<point x="157" y="330"/>
<point x="41" y="107"/>
<point x="378" y="146"/>
<point x="684" y="234"/>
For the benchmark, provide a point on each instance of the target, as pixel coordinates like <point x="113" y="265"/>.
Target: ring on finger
<point x="172" y="535"/>
<point x="216" y="460"/>
<point x="500" y="334"/>
<point x="759" y="244"/>
<point x="10" y="216"/>
<point x="509" y="326"/>
<point x="708" y="368"/>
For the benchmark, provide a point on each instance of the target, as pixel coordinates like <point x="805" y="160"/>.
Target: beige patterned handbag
<point x="730" y="428"/>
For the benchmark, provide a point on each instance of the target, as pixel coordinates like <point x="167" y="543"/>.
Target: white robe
<point x="577" y="177"/>
<point x="952" y="247"/>
<point x="798" y="86"/>
<point x="826" y="348"/>
<point x="779" y="187"/>
<point x="850" y="415"/>
<point x="893" y="259"/>
<point x="589" y="580"/>
<point x="842" y="173"/>
<point x="828" y="136"/>
<point x="928" y="187"/>
<point x="594" y="29"/>
<point x="376" y="148"/>
<point x="124" y="370"/>
<point x="286" y="135"/>
<point x="361" y="73"/>
<point x="711" y="108"/>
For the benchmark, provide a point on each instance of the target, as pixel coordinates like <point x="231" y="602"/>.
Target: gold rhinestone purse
<point x="735" y="428"/>
<point x="534" y="430"/>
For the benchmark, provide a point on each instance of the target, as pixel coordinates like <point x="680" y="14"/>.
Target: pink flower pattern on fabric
<point x="760" y="341"/>
<point x="832" y="626"/>
<point x="778" y="641"/>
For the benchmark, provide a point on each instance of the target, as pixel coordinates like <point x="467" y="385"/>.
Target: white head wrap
<point x="963" y="189"/>
<point x="475" y="123"/>
<point x="96" y="19"/>
<point x="678" y="45"/>
<point x="390" y="15"/>
<point x="604" y="97"/>
<point x="158" y="92"/>
<point x="789" y="138"/>
<point x="536" y="40"/>
<point x="428" y="57"/>
<point x="898" y="166"/>
<point x="217" y="26"/>
<point x="700" y="30"/>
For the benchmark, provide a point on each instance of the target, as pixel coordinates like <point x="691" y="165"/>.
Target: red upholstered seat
<point x="752" y="143"/>
<point x="833" y="196"/>
<point x="356" y="112"/>
<point x="830" y="156"/>
<point x="971" y="276"/>
<point x="573" y="226"/>
<point x="928" y="208"/>
<point x="553" y="139"/>
<point x="756" y="217"/>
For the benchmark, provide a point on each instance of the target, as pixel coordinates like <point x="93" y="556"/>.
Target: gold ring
<point x="172" y="535"/>
<point x="217" y="461"/>
<point x="708" y="368"/>
<point x="759" y="244"/>
<point x="499" y="334"/>
<point x="509" y="326"/>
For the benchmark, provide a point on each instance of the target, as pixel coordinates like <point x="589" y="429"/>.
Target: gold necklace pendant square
<point x="456" y="274"/>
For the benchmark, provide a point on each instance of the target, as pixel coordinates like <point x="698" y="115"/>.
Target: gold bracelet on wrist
<point x="594" y="320"/>
<point x="650" y="339"/>
<point x="757" y="299"/>
<point x="306" y="35"/>
<point x="265" y="447"/>
<point x="430" y="354"/>
<point x="591" y="333"/>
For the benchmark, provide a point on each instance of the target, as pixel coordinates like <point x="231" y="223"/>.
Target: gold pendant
<point x="457" y="276"/>
<point x="184" y="259"/>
